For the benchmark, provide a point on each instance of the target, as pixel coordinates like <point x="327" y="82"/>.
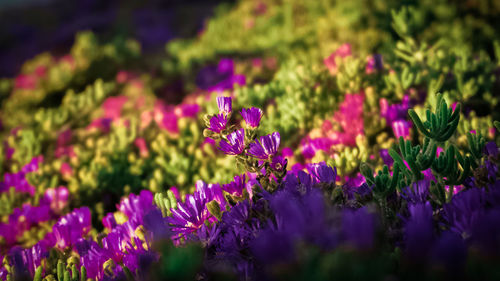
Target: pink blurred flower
<point x="287" y="152"/>
<point x="124" y="76"/>
<point x="140" y="143"/>
<point x="187" y="110"/>
<point x="68" y="59"/>
<point x="57" y="198"/>
<point x="66" y="170"/>
<point x="331" y="61"/>
<point x="176" y="193"/>
<point x="113" y="106"/>
<point x="170" y="123"/>
<point x="401" y="128"/>
<point x="25" y="82"/>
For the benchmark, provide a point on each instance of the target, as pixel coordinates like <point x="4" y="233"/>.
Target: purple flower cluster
<point x="18" y="180"/>
<point x="219" y="78"/>
<point x="191" y="215"/>
<point x="396" y="115"/>
<point x="265" y="147"/>
<point x="235" y="143"/>
<point x="24" y="218"/>
<point x="262" y="232"/>
<point x="68" y="230"/>
<point x="123" y="244"/>
<point x="252" y="116"/>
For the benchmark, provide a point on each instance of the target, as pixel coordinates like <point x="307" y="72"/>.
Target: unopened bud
<point x="214" y="209"/>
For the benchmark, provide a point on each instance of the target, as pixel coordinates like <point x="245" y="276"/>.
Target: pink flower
<point x="64" y="138"/>
<point x="40" y="71"/>
<point x="69" y="60"/>
<point x="287" y="152"/>
<point x="146" y="119"/>
<point x="25" y="82"/>
<point x="113" y="106"/>
<point x="124" y="76"/>
<point x="66" y="170"/>
<point x="331" y="61"/>
<point x="57" y="198"/>
<point x="176" y="193"/>
<point x="140" y="143"/>
<point x="169" y="123"/>
<point x="187" y="110"/>
<point x="401" y="128"/>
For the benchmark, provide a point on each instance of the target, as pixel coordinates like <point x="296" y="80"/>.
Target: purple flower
<point x="191" y="214"/>
<point x="417" y="192"/>
<point x="384" y="154"/>
<point x="279" y="163"/>
<point x="93" y="258"/>
<point x="252" y="116"/>
<point x="272" y="247"/>
<point x="463" y="211"/>
<point x="219" y="78"/>
<point x="491" y="149"/>
<point x="115" y="244"/>
<point x="28" y="259"/>
<point x="486" y="232"/>
<point x="394" y="112"/>
<point x="323" y="173"/>
<point x="18" y="180"/>
<point x="137" y="205"/>
<point x="156" y="224"/>
<point x="218" y="123"/>
<point x="266" y="146"/>
<point x="418" y="231"/>
<point x="225" y="105"/>
<point x="236" y="143"/>
<point x="451" y="252"/>
<point x="235" y="187"/>
<point x="109" y="221"/>
<point x="358" y="228"/>
<point x="71" y="227"/>
<point x="138" y="258"/>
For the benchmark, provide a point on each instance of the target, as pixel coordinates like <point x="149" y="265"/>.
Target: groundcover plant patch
<point x="286" y="140"/>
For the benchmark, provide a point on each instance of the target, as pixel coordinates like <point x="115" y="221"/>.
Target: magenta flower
<point x="225" y="105"/>
<point x="401" y="128"/>
<point x="66" y="170"/>
<point x="252" y="116"/>
<point x="109" y="221"/>
<point x="169" y="122"/>
<point x="113" y="106"/>
<point x="236" y="143"/>
<point x="265" y="147"/>
<point x="187" y="110"/>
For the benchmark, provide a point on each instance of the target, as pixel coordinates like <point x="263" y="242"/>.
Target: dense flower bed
<point x="267" y="148"/>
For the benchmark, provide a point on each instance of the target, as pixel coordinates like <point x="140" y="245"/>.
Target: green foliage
<point x="450" y="168"/>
